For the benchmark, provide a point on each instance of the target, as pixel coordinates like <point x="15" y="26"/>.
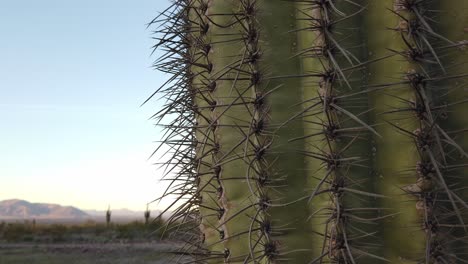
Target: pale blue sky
<point x="73" y="74"/>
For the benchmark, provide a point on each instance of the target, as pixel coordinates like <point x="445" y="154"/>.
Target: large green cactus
<point x="317" y="131"/>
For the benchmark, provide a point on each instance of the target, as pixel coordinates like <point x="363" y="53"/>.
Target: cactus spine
<point x="317" y="131"/>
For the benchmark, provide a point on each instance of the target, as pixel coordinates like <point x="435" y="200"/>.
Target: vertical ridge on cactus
<point x="316" y="131"/>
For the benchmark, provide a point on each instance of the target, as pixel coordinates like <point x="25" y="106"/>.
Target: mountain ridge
<point x="22" y="209"/>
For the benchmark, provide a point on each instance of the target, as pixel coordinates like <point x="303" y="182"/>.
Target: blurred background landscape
<point x="76" y="142"/>
<point x="19" y="210"/>
<point x="52" y="233"/>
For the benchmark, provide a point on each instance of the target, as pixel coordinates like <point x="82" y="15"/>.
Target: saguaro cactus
<point x="147" y="215"/>
<point x="108" y="216"/>
<point x="317" y="131"/>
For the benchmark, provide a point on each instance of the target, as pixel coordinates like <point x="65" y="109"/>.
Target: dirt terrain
<point x="108" y="253"/>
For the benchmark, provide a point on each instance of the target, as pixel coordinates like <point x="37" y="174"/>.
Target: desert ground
<point x="91" y="253"/>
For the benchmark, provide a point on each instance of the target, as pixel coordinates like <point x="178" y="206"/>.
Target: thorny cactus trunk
<point x="317" y="131"/>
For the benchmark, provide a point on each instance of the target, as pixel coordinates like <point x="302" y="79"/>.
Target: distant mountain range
<point x="21" y="209"/>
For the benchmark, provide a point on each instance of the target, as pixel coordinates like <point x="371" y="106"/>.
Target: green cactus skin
<point x="314" y="137"/>
<point x="231" y="113"/>
<point x="394" y="151"/>
<point x="284" y="158"/>
<point x="317" y="131"/>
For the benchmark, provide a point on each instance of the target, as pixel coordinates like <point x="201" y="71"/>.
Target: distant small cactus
<point x="147" y="215"/>
<point x="108" y="216"/>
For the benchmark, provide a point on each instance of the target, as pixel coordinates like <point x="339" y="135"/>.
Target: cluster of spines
<point x="210" y="189"/>
<point x="435" y="189"/>
<point x="176" y="40"/>
<point x="340" y="108"/>
<point x="179" y="133"/>
<point x="196" y="157"/>
<point x="245" y="77"/>
<point x="261" y="245"/>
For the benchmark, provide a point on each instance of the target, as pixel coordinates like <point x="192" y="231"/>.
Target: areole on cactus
<point x="317" y="131"/>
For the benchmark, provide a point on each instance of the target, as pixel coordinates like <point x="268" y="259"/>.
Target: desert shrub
<point x="15" y="232"/>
